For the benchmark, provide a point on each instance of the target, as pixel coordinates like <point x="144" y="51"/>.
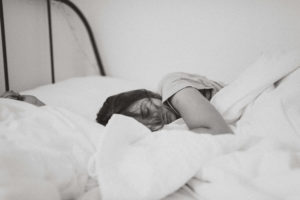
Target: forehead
<point x="149" y="103"/>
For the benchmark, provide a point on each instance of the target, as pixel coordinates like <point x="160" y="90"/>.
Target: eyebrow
<point x="135" y="110"/>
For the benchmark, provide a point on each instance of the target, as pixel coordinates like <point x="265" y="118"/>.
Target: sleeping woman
<point x="181" y="95"/>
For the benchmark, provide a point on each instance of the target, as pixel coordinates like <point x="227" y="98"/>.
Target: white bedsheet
<point x="44" y="151"/>
<point x="270" y="167"/>
<point x="261" y="161"/>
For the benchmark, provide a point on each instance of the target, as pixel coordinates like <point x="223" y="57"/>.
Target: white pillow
<point x="83" y="95"/>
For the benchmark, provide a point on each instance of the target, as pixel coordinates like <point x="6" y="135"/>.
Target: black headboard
<point x="82" y="18"/>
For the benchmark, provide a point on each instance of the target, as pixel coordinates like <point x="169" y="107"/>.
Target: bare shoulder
<point x="197" y="111"/>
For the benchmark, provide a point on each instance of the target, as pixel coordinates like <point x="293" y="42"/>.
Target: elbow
<point x="223" y="130"/>
<point x="212" y="130"/>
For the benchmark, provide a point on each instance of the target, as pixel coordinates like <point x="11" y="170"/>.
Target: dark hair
<point x="117" y="104"/>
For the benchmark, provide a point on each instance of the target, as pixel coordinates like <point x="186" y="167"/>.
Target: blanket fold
<point x="263" y="74"/>
<point x="262" y="104"/>
<point x="134" y="163"/>
<point x="43" y="151"/>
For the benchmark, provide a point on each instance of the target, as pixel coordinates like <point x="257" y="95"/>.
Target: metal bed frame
<point x="82" y="18"/>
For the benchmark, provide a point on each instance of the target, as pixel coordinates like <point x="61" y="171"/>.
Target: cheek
<point x="153" y="123"/>
<point x="146" y="122"/>
<point x="169" y="116"/>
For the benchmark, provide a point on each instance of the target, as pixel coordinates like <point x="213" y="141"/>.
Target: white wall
<point x="145" y="39"/>
<point x="142" y="39"/>
<point x="27" y="45"/>
<point x="28" y="51"/>
<point x="73" y="52"/>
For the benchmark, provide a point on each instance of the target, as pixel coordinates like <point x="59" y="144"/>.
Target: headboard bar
<point x="82" y="18"/>
<point x="51" y="40"/>
<point x="90" y="33"/>
<point x="4" y="47"/>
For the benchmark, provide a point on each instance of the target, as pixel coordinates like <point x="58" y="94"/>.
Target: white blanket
<point x="44" y="152"/>
<point x="261" y="161"/>
<point x="262" y="75"/>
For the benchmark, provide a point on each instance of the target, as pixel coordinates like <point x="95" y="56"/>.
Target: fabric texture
<point x="174" y="82"/>
<point x="262" y="75"/>
<point x="44" y="151"/>
<point x="133" y="163"/>
<point x="260" y="161"/>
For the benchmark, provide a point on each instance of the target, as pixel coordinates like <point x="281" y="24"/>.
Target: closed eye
<point x="146" y="109"/>
<point x="145" y="112"/>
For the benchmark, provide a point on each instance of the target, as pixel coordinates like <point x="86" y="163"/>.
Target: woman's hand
<point x="198" y="113"/>
<point x="11" y="95"/>
<point x="26" y="98"/>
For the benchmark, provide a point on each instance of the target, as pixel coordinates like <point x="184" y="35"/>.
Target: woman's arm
<point x="198" y="113"/>
<point x="27" y="98"/>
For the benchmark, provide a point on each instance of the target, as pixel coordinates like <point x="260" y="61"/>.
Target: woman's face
<point x="152" y="113"/>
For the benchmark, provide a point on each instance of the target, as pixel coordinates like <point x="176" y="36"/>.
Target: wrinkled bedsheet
<point x="52" y="153"/>
<point x="261" y="161"/>
<point x="44" y="152"/>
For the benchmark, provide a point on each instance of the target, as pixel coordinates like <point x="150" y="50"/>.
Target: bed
<point x="58" y="151"/>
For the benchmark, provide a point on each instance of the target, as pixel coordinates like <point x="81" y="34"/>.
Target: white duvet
<point x="44" y="152"/>
<point x="52" y="153"/>
<point x="261" y="161"/>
